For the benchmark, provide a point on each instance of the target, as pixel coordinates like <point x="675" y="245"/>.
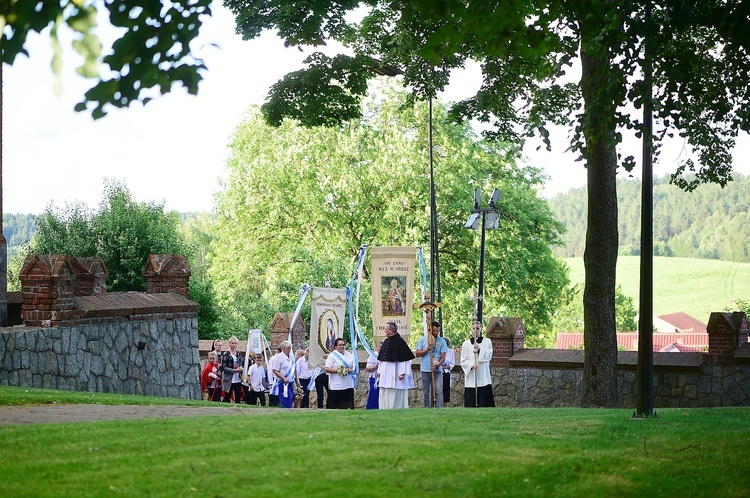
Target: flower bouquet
<point x="343" y="370"/>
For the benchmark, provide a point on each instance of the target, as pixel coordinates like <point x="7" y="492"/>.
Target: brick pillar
<point x="740" y="319"/>
<point x="724" y="332"/>
<point x="89" y="276"/>
<point x="280" y="331"/>
<point x="507" y="336"/>
<point x="47" y="290"/>
<point x="167" y="273"/>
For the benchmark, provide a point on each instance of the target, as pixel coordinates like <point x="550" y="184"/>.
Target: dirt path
<point x="51" y="414"/>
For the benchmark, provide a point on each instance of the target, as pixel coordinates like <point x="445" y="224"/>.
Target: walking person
<point x="257" y="383"/>
<point x="340" y="369"/>
<point x="476" y="353"/>
<point x="231" y="366"/>
<point x="282" y="365"/>
<point x="302" y="376"/>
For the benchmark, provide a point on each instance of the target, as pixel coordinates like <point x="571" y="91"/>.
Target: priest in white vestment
<point x="394" y="370"/>
<point x="476" y="353"/>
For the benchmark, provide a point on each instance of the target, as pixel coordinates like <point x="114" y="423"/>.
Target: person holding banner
<point x="340" y="369"/>
<point x="394" y="370"/>
<point x="283" y="370"/>
<point x="432" y="357"/>
<point x="476" y="353"/>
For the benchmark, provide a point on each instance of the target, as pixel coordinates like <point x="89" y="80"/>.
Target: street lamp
<point x="490" y="219"/>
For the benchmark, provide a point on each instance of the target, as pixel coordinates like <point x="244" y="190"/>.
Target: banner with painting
<point x="327" y="319"/>
<point x="392" y="289"/>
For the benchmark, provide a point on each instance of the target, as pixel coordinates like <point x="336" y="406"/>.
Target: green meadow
<point x="694" y="286"/>
<point x="417" y="452"/>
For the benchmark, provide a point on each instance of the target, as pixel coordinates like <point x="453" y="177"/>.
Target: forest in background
<point x="708" y="223"/>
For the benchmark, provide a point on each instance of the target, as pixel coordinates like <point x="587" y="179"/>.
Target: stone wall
<point x="77" y="336"/>
<point x="515" y="386"/>
<point x="153" y="357"/>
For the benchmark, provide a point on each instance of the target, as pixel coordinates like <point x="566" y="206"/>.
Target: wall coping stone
<point x="626" y="360"/>
<point x="113" y="304"/>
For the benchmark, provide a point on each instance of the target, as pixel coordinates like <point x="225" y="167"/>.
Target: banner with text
<point x="392" y="289"/>
<point x="327" y="315"/>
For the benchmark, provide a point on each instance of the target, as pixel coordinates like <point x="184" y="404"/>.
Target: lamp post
<point x="490" y="220"/>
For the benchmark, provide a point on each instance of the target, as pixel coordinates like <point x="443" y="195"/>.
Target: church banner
<point x="327" y="319"/>
<point x="392" y="289"/>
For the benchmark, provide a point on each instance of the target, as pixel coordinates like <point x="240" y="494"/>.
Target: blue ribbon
<point x="424" y="284"/>
<point x="303" y="293"/>
<point x="424" y="270"/>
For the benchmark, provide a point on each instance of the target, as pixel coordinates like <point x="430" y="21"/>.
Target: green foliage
<point x="298" y="204"/>
<point x="122" y="232"/>
<point x="710" y="222"/>
<point x="152" y="51"/>
<point x="739" y="305"/>
<point x="202" y="292"/>
<point x="697" y="53"/>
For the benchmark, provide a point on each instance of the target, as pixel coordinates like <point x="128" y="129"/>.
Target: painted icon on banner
<point x="393" y="295"/>
<point x="328" y="325"/>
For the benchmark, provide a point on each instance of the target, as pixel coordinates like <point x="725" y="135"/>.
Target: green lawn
<point x="417" y="452"/>
<point x="694" y="286"/>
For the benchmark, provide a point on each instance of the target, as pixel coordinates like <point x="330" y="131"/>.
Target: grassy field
<point x="694" y="286"/>
<point x="452" y="452"/>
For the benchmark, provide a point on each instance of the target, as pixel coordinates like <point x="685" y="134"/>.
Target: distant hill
<point x="694" y="286"/>
<point x="18" y="229"/>
<point x="711" y="222"/>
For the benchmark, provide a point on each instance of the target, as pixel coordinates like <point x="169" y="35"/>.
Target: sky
<point x="174" y="149"/>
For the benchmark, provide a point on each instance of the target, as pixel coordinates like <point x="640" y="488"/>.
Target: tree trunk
<point x="600" y="255"/>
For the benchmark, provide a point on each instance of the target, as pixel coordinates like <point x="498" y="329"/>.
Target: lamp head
<point x="496" y="195"/>
<point x="473" y="222"/>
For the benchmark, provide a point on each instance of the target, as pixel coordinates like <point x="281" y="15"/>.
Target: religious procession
<point x="327" y="366"/>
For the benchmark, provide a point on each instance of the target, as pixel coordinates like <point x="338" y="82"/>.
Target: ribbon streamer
<point x="304" y="290"/>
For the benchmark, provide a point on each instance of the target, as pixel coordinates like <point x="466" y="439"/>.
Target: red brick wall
<point x="167" y="273"/>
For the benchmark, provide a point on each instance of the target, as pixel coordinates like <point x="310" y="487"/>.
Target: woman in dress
<point x="283" y="370"/>
<point x="340" y="370"/>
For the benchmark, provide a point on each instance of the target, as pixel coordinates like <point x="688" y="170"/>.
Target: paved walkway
<point x="51" y="414"/>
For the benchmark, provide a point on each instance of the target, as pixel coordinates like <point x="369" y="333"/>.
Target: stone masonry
<point x="76" y="336"/>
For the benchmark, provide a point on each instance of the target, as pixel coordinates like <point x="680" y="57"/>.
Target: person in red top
<point x="210" y="379"/>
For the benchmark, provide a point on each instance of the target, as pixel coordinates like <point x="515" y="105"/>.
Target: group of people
<point x="288" y="381"/>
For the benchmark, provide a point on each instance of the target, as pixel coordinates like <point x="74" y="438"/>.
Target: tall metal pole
<point x="435" y="290"/>
<point x="645" y="371"/>
<point x="3" y="243"/>
<point x="480" y="291"/>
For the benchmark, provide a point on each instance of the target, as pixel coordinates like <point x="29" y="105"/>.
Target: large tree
<point x="526" y="49"/>
<point x="123" y="232"/>
<point x="152" y="48"/>
<point x="298" y="204"/>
